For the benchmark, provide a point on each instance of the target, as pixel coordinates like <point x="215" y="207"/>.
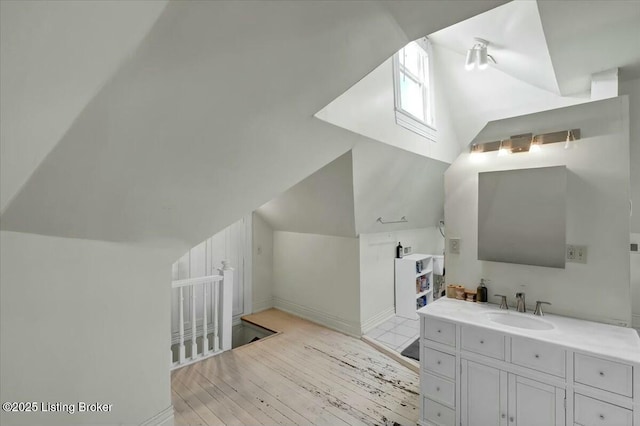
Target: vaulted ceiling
<point x="555" y="45"/>
<point x="175" y="132"/>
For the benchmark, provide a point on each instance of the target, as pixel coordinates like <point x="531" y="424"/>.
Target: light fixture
<point x="477" y="56"/>
<point x="471" y="59"/>
<point x="505" y="148"/>
<point x="527" y="142"/>
<point x="570" y="138"/>
<point x="535" y="144"/>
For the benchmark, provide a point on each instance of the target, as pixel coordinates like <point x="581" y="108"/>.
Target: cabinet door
<point x="532" y="403"/>
<point x="483" y="398"/>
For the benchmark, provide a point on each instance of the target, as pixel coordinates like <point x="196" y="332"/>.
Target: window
<point x="413" y="90"/>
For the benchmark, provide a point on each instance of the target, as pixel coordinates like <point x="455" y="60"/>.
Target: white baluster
<point x="181" y="347"/>
<point x="194" y="329"/>
<point x="226" y="306"/>
<point x="216" y="312"/>
<point x="205" y="339"/>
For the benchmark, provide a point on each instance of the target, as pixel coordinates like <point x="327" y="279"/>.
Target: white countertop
<point x="608" y="340"/>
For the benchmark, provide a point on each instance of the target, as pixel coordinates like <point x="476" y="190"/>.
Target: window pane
<point x="412" y="58"/>
<point x="411" y="97"/>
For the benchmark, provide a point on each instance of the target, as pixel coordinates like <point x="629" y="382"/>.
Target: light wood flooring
<point x="306" y="374"/>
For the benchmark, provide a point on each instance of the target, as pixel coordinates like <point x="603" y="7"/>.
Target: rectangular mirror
<point x="522" y="215"/>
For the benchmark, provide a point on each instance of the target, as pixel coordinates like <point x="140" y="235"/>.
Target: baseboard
<point x="635" y="321"/>
<point x="378" y="319"/>
<point x="163" y="418"/>
<point x="262" y="305"/>
<point x="319" y="317"/>
<point x="407" y="362"/>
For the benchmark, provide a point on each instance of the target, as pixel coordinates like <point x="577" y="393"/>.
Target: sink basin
<point x="519" y="321"/>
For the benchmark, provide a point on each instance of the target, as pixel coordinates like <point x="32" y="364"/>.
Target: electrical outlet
<point x="454" y="245"/>
<point x="576" y="254"/>
<point x="407" y="250"/>
<point x="634" y="247"/>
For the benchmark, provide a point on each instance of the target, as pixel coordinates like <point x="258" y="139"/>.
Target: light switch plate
<point x="454" y="245"/>
<point x="576" y="253"/>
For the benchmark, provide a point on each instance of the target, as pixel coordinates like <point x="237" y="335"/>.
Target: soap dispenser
<point x="481" y="296"/>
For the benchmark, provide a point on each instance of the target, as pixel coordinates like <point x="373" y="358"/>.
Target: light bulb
<point x="483" y="61"/>
<point x="470" y="63"/>
<point x="505" y="148"/>
<point x="535" y="145"/>
<point x="567" y="143"/>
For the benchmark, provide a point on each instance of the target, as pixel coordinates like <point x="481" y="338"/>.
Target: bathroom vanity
<point x="483" y="366"/>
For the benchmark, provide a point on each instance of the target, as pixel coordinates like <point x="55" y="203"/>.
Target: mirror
<point x="522" y="216"/>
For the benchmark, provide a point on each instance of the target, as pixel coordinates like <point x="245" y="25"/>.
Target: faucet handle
<point x="503" y="301"/>
<point x="538" y="310"/>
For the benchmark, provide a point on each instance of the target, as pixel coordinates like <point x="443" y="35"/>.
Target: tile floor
<point x="396" y="333"/>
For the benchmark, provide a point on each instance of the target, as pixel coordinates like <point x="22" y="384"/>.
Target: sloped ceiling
<point x="320" y="204"/>
<point x="347" y="196"/>
<point x="517" y="42"/>
<point x="213" y="116"/>
<point x="55" y="57"/>
<point x="586" y="37"/>
<point x="554" y="45"/>
<point x="389" y="182"/>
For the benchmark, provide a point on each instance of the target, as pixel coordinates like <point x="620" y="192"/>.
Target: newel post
<point x="226" y="305"/>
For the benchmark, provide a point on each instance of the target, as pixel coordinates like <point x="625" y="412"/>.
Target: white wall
<point x="86" y="321"/>
<point x="262" y="264"/>
<point x="390" y="183"/>
<point x="597" y="215"/>
<point x="377" y="251"/>
<point x="632" y="89"/>
<point x="368" y="108"/>
<point x="317" y="277"/>
<point x="322" y="203"/>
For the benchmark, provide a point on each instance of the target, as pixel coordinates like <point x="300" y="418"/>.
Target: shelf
<point x="425" y="272"/>
<point x="417" y="257"/>
<point x="423" y="293"/>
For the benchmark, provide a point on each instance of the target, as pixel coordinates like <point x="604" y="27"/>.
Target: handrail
<point x="194" y="281"/>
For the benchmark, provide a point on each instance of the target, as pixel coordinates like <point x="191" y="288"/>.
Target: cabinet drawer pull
<point x="537" y="356"/>
<point x="602" y="374"/>
<point x="504" y="416"/>
<point x="601" y="416"/>
<point x="511" y="419"/>
<point x="438" y="414"/>
<point x="482" y="342"/>
<point x="437" y="388"/>
<point x="439" y="331"/>
<point x="438" y="362"/>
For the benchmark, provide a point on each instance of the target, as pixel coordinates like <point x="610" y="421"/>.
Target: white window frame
<point x="427" y="128"/>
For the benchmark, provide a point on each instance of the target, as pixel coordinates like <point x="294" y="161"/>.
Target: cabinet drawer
<point x="440" y="363"/>
<point x="593" y="412"/>
<point x="539" y="356"/>
<point x="439" y="331"/>
<point x="483" y="342"/>
<point x="438" y="413"/>
<point x="441" y="390"/>
<point x="602" y="374"/>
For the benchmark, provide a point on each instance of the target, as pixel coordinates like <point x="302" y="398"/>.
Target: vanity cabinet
<point x="490" y="396"/>
<point x="476" y="374"/>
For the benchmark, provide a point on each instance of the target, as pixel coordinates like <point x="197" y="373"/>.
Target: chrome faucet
<point x="520" y="305"/>
<point x="538" y="310"/>
<point x="503" y="301"/>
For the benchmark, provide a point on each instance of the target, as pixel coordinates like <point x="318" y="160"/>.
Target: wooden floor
<point x="306" y="374"/>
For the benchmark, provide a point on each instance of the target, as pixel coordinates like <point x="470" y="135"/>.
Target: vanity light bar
<point x="523" y="142"/>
